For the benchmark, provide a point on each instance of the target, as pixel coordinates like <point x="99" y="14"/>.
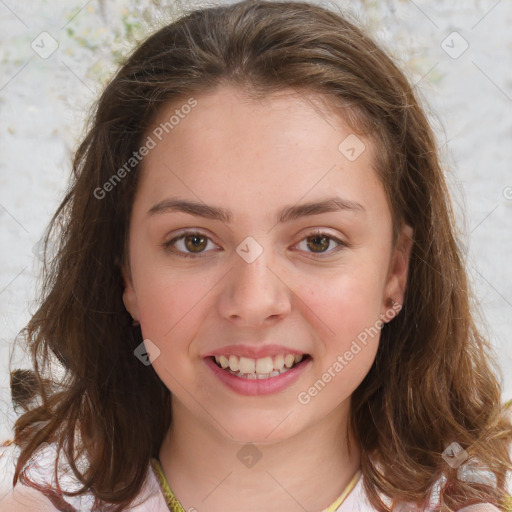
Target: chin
<point x="249" y="427"/>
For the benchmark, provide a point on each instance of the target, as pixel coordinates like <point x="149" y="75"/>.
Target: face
<point x="230" y="268"/>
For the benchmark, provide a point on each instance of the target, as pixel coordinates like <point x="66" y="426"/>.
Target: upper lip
<point x="253" y="351"/>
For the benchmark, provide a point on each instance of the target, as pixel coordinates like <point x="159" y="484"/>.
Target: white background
<point x="44" y="104"/>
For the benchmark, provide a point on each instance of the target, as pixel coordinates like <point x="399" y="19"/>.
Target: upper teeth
<point x="263" y="366"/>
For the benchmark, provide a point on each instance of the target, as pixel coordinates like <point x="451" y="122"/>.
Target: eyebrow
<point x="287" y="214"/>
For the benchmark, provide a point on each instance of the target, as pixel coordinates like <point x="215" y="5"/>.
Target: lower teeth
<point x="260" y="376"/>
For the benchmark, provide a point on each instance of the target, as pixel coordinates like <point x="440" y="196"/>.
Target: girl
<point x="258" y="300"/>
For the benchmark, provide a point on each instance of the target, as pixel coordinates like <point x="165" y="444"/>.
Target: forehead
<point x="232" y="146"/>
<point x="228" y="110"/>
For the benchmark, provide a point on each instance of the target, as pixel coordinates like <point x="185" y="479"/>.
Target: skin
<point x="255" y="157"/>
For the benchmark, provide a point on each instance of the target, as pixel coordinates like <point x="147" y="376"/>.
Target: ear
<point x="129" y="294"/>
<point x="396" y="281"/>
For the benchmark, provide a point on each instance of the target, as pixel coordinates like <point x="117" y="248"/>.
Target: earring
<point x="135" y="323"/>
<point x="396" y="307"/>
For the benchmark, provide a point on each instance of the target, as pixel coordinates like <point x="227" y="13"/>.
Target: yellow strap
<point x="507" y="503"/>
<point x="334" y="506"/>
<point x="172" y="502"/>
<point x="175" y="506"/>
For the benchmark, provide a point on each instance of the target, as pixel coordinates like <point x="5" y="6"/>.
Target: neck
<point x="308" y="471"/>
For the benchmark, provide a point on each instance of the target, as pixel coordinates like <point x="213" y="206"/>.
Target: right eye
<point x="189" y="244"/>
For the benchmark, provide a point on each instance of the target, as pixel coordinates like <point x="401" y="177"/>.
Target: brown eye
<point x="195" y="243"/>
<point x="188" y="244"/>
<point x="318" y="243"/>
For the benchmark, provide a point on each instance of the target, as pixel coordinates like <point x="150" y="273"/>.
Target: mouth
<point x="259" y="369"/>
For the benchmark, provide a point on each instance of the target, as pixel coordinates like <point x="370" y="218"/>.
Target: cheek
<point x="167" y="303"/>
<point x="167" y="317"/>
<point x="346" y="312"/>
<point x="164" y="292"/>
<point x="347" y="319"/>
<point x="343" y="305"/>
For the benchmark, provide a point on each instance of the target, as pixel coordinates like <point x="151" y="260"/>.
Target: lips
<point x="258" y="384"/>
<point x="257" y="369"/>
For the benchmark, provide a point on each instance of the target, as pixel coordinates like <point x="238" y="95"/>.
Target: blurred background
<point x="57" y="55"/>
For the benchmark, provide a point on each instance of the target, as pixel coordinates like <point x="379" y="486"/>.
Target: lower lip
<point x="256" y="387"/>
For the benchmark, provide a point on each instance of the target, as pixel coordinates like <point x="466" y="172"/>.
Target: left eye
<point x="319" y="243"/>
<point x="194" y="244"/>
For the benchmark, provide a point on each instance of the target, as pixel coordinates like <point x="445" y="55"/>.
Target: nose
<point x="254" y="294"/>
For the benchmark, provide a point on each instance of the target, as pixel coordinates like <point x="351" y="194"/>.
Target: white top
<point x="151" y="499"/>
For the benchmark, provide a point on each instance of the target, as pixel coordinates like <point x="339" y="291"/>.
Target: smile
<point x="263" y="368"/>
<point x="258" y="376"/>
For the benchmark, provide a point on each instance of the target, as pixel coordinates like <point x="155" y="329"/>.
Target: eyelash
<point x="169" y="245"/>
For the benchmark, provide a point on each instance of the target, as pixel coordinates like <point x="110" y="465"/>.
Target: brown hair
<point x="433" y="380"/>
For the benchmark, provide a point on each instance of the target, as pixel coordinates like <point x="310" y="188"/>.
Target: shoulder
<point x="39" y="481"/>
<point x="480" y="507"/>
<point x="357" y="501"/>
<point x="26" y="499"/>
<point x="23" y="498"/>
<point x="151" y="498"/>
<point x="39" y="475"/>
